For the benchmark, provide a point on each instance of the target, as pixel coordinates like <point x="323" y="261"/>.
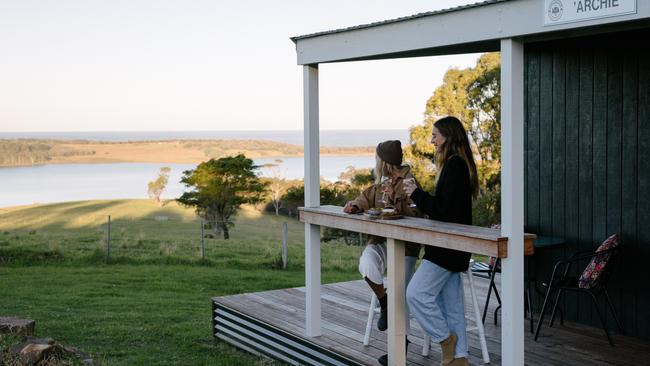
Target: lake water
<point x="77" y="182"/>
<point x="73" y="182"/>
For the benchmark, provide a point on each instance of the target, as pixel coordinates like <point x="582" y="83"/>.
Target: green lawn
<point x="150" y="304"/>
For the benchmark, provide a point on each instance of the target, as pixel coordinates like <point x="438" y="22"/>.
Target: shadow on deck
<point x="273" y="323"/>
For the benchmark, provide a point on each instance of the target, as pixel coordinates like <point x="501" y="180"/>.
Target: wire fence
<point x="79" y="235"/>
<point x="163" y="236"/>
<point x="147" y="239"/>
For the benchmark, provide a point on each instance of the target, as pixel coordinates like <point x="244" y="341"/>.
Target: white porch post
<point x="512" y="201"/>
<point x="312" y="199"/>
<point x="396" y="303"/>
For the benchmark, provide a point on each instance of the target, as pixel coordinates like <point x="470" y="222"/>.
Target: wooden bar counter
<point x="466" y="238"/>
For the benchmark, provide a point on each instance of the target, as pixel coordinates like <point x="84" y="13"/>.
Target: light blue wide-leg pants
<point x="437" y="299"/>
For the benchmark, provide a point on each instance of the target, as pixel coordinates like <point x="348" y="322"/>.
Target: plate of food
<point x="390" y="214"/>
<point x="383" y="213"/>
<point x="373" y="213"/>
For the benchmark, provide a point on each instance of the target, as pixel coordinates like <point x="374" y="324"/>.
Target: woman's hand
<point x="387" y="188"/>
<point x="409" y="186"/>
<point x="350" y="208"/>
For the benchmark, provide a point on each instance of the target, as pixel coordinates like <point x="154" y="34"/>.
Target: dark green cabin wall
<point x="587" y="162"/>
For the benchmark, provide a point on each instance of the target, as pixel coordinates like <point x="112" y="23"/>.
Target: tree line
<point x="14" y="153"/>
<point x="26" y="152"/>
<point x="23" y="152"/>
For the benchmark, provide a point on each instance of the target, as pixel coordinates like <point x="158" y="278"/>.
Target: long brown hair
<point x="456" y="143"/>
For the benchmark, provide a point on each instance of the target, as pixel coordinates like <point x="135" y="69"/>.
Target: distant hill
<point x="26" y="152"/>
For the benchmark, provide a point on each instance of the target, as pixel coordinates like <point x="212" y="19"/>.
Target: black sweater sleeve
<point x="451" y="192"/>
<point x="451" y="202"/>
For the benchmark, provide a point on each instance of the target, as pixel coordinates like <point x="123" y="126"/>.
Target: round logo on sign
<point x="555" y="9"/>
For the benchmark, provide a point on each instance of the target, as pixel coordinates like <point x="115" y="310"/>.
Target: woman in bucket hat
<point x="389" y="193"/>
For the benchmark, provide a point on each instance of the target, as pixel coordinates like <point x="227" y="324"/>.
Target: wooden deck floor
<point x="345" y="307"/>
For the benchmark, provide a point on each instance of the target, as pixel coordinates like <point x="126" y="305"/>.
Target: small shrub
<point x="487" y="209"/>
<point x="55" y="250"/>
<point x="167" y="249"/>
<point x="276" y="262"/>
<point x="98" y="253"/>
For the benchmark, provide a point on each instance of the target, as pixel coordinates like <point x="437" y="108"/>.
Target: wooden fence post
<point x="108" y="240"/>
<point x="202" y="243"/>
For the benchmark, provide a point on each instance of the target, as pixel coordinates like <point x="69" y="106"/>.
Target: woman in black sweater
<point x="435" y="294"/>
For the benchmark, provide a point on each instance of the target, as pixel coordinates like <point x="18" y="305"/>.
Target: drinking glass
<point x="385" y="183"/>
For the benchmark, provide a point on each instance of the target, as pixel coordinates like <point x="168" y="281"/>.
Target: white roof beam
<point x="466" y="30"/>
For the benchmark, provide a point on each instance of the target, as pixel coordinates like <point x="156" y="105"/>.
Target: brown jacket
<point x="371" y="197"/>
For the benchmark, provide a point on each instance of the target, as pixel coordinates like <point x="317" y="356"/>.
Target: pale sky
<point x="172" y="65"/>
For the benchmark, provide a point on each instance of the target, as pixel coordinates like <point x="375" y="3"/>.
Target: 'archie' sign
<point x="569" y="11"/>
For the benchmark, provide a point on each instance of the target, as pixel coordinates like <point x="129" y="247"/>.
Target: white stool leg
<point x="371" y="315"/>
<point x="477" y="317"/>
<point x="426" y="343"/>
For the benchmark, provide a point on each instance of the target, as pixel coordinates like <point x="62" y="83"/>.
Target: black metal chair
<point x="561" y="281"/>
<point x="489" y="271"/>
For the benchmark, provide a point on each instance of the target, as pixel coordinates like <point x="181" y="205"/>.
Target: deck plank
<point x="344" y="309"/>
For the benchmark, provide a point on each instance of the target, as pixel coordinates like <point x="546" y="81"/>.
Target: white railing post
<point x="396" y="303"/>
<point x="312" y="199"/>
<point x="512" y="201"/>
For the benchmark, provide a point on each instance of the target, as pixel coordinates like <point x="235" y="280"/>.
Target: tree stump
<point x="16" y="326"/>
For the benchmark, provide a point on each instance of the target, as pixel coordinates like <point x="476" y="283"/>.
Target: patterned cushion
<point x="589" y="277"/>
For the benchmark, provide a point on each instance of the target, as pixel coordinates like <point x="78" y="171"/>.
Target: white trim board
<point x="472" y="29"/>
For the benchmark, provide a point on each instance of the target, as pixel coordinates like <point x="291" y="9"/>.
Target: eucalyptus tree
<point x="218" y="188"/>
<point x="156" y="187"/>
<point x="472" y="95"/>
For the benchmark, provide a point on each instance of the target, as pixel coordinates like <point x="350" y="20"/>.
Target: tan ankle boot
<point x="462" y="361"/>
<point x="448" y="349"/>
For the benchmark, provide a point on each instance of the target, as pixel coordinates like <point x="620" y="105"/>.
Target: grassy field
<point x="150" y="304"/>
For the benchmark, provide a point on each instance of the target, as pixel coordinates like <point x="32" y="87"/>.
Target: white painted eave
<point x="473" y="29"/>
